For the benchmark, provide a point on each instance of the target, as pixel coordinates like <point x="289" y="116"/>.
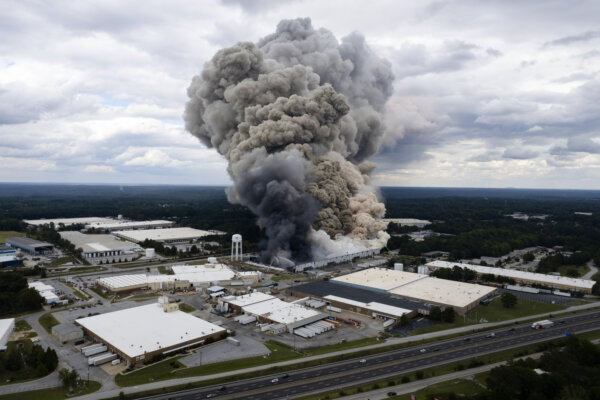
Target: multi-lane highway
<point x="392" y="363"/>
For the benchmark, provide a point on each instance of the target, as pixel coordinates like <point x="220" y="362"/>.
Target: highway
<point x="393" y="363"/>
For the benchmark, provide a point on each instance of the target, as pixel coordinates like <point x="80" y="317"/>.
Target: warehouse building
<point x="407" y="285"/>
<point x="523" y="277"/>
<point x="58" y="222"/>
<point x="204" y="275"/>
<point x="270" y="309"/>
<point x="359" y="300"/>
<point x="140" y="333"/>
<point x="29" y="245"/>
<point x="124" y="284"/>
<point x="121" y="225"/>
<point x="100" y="248"/>
<point x="167" y="235"/>
<point x="419" y="223"/>
<point x="6" y="327"/>
<point x="46" y="291"/>
<point x="66" y="332"/>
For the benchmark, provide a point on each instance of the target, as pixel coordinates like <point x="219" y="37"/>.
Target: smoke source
<point x="297" y="116"/>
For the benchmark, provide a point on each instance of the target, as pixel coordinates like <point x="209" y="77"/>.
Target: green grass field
<point x="22" y="325"/>
<point x="186" y="308"/>
<point x="494" y="312"/>
<point x="573" y="271"/>
<point x="48" y="321"/>
<point x="7" y="234"/>
<point x="50" y="394"/>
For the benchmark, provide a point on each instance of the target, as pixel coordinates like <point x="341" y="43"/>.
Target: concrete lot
<point x="225" y="351"/>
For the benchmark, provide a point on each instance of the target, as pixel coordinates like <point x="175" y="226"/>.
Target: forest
<point x="474" y="222"/>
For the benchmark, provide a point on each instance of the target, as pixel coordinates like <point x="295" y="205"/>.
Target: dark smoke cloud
<point x="297" y="115"/>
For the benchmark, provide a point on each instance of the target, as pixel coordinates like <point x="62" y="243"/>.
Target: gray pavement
<point x="158" y="385"/>
<point x="225" y="351"/>
<point x="593" y="270"/>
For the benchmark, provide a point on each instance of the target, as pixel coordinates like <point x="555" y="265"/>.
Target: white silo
<point x="236" y="247"/>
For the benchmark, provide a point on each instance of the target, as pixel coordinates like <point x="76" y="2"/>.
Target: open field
<point x="7" y="234"/>
<point x="494" y="312"/>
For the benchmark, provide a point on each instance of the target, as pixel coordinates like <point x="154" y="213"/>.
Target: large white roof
<point x="41" y="286"/>
<point x="97" y="242"/>
<point x="6" y="327"/>
<point x="379" y="278"/>
<point x="128" y="224"/>
<point x="69" y="221"/>
<point x="164" y="234"/>
<point x="148" y="328"/>
<point x="281" y="311"/>
<point x="199" y="274"/>
<point x="247" y="299"/>
<point x="132" y="280"/>
<point x="373" y="306"/>
<point x="511" y="273"/>
<point x="443" y="291"/>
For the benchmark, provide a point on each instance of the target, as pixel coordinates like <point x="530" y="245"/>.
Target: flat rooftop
<point x="97" y="242"/>
<point x="407" y="221"/>
<point x="69" y="221"/>
<point x="199" y="274"/>
<point x="281" y="312"/>
<point x="511" y="273"/>
<point x="372" y="306"/>
<point x="128" y="224"/>
<point x="247" y="299"/>
<point x="40" y="286"/>
<point x="145" y="329"/>
<point x="132" y="280"/>
<point x="164" y="234"/>
<point x="5" y="325"/>
<point x="379" y="278"/>
<point x="443" y="291"/>
<point x="325" y="288"/>
<point x="27" y="242"/>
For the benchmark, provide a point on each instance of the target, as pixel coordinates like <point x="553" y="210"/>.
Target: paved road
<point x="331" y="376"/>
<point x="592" y="271"/>
<point x="158" y="385"/>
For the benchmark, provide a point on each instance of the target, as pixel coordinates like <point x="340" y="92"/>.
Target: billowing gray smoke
<point x="297" y="116"/>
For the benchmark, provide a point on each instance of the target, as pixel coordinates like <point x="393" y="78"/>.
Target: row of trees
<point x="26" y="360"/>
<point x="15" y="296"/>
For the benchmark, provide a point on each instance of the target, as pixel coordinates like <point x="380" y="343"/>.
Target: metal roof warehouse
<point x="142" y="332"/>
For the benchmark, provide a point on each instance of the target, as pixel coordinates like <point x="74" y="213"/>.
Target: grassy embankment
<point x="494" y="312"/>
<point x="51" y="394"/>
<point x="7" y="234"/>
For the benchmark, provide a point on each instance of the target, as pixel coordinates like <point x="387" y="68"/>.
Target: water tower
<point x="236" y="247"/>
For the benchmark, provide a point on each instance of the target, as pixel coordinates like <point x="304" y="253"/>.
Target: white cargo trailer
<point x="95" y="351"/>
<point x="542" y="324"/>
<point x="102" y="359"/>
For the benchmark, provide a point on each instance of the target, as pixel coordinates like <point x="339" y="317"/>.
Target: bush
<point x="405" y="379"/>
<point x="420" y="375"/>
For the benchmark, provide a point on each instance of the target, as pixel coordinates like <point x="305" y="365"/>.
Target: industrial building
<point x="67" y="332"/>
<point x="124" y="284"/>
<point x="419" y="223"/>
<point x="407" y="285"/>
<point x="8" y="256"/>
<point x="269" y="309"/>
<point x="204" y="275"/>
<point x="523" y="277"/>
<point x="57" y="222"/>
<point x="167" y="235"/>
<point x="29" y="245"/>
<point x="102" y="248"/>
<point x="337" y="259"/>
<point x="121" y="225"/>
<point x="6" y="327"/>
<point x="358" y="300"/>
<point x="139" y="333"/>
<point x="46" y="291"/>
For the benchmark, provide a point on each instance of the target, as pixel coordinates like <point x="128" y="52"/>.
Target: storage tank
<point x="423" y="270"/>
<point x="150" y="253"/>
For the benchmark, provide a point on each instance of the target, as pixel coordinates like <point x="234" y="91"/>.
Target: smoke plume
<point x="297" y="116"/>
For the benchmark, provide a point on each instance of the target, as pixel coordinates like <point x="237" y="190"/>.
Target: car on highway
<point x="208" y="396"/>
<point x="363" y="361"/>
<point x="222" y="388"/>
<point x="275" y="380"/>
<point x="391" y="394"/>
<point x="423" y="350"/>
<point x="285" y="376"/>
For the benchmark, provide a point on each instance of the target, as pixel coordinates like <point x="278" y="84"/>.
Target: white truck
<point x="542" y="324"/>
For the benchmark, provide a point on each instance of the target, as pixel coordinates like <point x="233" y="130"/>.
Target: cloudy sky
<point x="501" y="94"/>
